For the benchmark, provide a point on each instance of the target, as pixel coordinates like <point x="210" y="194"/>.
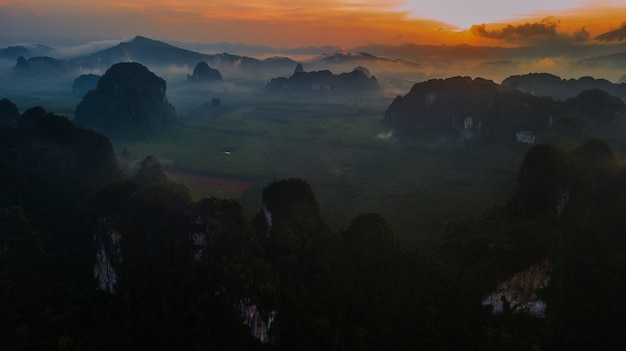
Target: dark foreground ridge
<point x="139" y="264"/>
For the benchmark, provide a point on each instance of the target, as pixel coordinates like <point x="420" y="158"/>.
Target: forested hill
<point x="94" y="259"/>
<point x="50" y="167"/>
<point x="358" y="81"/>
<point x="545" y="84"/>
<point x="481" y="110"/>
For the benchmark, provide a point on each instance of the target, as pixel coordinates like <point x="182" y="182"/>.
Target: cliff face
<point x="107" y="240"/>
<point x="259" y="322"/>
<point x="519" y="293"/>
<point x="207" y="248"/>
<point x="129" y="101"/>
<point x="444" y="106"/>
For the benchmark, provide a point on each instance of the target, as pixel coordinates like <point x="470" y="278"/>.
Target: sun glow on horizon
<point x="281" y="23"/>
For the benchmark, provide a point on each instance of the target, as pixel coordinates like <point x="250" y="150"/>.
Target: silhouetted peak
<point x="130" y="100"/>
<point x="144" y="40"/>
<point x="9" y="113"/>
<point x="204" y="73"/>
<point x="84" y="83"/>
<point x="362" y="69"/>
<point x="129" y="75"/>
<point x="150" y="172"/>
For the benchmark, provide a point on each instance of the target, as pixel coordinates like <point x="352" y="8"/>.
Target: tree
<point x="9" y="113"/>
<point x="150" y="172"/>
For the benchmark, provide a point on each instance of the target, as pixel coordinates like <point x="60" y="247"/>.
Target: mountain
<point x="358" y="81"/>
<point x="130" y="101"/>
<point x="358" y="58"/>
<point x="153" y="53"/>
<point x="614" y="61"/>
<point x="545" y="84"/>
<point x="85" y="83"/>
<point x="44" y="67"/>
<point x="204" y="73"/>
<point x="346" y="60"/>
<point x="244" y="49"/>
<point x="416" y="52"/>
<point x="478" y="108"/>
<point x="13" y="52"/>
<point x="444" y="106"/>
<point x="41" y="152"/>
<point x="143" y="50"/>
<point x="9" y="114"/>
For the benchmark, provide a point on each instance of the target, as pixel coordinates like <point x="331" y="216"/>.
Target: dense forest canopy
<point x="178" y="273"/>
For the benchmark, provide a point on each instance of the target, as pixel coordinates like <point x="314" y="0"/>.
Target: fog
<point x="396" y="68"/>
<point x="193" y="197"/>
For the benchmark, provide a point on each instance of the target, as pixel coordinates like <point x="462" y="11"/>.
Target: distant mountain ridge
<point x="413" y="52"/>
<point x="421" y="61"/>
<point x="545" y="84"/>
<point x="140" y="49"/>
<point x="357" y="58"/>
<point x="357" y="81"/>
<point x="26" y="51"/>
<point x="152" y="52"/>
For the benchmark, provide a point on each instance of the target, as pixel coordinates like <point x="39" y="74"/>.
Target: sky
<point x="343" y="23"/>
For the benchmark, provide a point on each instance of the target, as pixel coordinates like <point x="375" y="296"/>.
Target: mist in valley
<point x="315" y="186"/>
<point x="236" y="128"/>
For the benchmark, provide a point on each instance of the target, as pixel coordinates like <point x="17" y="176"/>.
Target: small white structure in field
<point x="525" y="136"/>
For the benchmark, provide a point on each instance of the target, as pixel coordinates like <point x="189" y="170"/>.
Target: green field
<point x="417" y="184"/>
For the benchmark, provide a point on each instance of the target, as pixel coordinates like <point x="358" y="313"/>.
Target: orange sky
<point x="281" y="23"/>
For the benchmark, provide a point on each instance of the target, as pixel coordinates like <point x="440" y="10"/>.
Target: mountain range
<point x="410" y="62"/>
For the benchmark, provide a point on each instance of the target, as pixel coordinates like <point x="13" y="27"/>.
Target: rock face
<point x="481" y="109"/>
<point x="150" y="239"/>
<point x="444" y="106"/>
<point x="204" y="74"/>
<point x="129" y="101"/>
<point x="324" y="82"/>
<point x="107" y="240"/>
<point x="259" y="323"/>
<point x="545" y="179"/>
<point x="85" y="83"/>
<point x="519" y="293"/>
<point x="292" y="203"/>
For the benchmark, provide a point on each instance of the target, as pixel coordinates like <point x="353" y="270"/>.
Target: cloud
<point x="544" y="32"/>
<point x="527" y="30"/>
<point x="618" y="34"/>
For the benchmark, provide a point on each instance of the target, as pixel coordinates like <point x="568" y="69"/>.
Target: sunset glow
<point x="345" y="23"/>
